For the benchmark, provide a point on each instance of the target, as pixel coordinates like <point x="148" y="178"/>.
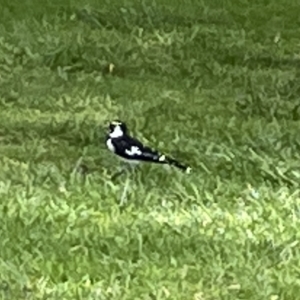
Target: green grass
<point x="213" y="83"/>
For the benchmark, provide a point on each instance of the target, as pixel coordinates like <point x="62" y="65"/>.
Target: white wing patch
<point x="134" y="150"/>
<point x="162" y="158"/>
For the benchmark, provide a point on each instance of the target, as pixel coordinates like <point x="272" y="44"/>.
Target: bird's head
<point x="117" y="128"/>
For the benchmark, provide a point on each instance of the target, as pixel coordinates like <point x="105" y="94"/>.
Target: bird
<point x="133" y="151"/>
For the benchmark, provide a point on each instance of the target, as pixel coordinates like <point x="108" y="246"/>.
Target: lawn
<point x="212" y="83"/>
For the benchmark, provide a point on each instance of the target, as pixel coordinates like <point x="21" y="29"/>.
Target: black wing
<point x="132" y="149"/>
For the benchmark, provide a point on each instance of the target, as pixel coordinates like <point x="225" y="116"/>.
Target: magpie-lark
<point x="133" y="151"/>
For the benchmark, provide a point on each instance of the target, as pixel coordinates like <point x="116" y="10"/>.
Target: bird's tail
<point x="155" y="157"/>
<point x="173" y="162"/>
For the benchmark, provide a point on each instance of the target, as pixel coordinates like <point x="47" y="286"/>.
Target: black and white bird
<point x="133" y="151"/>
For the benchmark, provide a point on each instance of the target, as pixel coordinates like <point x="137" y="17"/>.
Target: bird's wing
<point x="132" y="148"/>
<point x="144" y="153"/>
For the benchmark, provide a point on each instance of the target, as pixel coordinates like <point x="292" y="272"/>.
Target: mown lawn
<point x="213" y="83"/>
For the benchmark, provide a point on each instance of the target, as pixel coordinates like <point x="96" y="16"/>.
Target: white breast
<point x="110" y="145"/>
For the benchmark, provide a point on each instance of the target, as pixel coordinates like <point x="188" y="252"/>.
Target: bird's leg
<point x="117" y="174"/>
<point x="124" y="193"/>
<point x="130" y="168"/>
<point x="124" y="168"/>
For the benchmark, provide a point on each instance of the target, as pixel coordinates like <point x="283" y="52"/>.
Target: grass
<point x="215" y="84"/>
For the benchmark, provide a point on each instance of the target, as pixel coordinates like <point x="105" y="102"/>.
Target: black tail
<point x="177" y="164"/>
<point x="155" y="157"/>
<point x="173" y="162"/>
